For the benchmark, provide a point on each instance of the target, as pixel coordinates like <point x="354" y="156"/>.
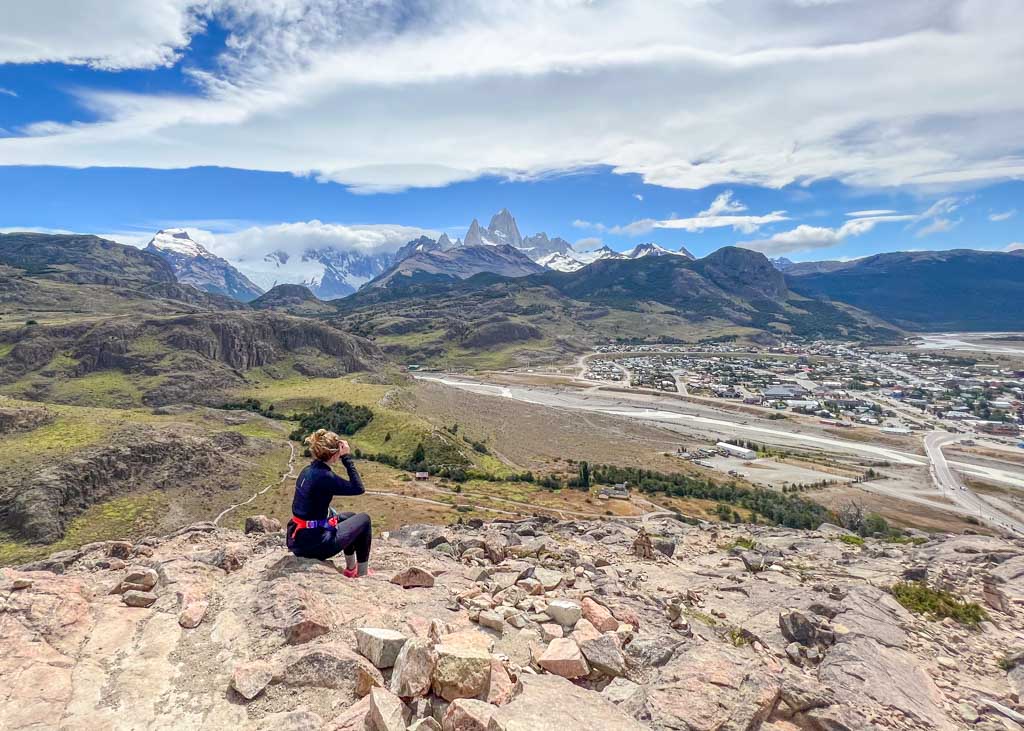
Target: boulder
<point x="466" y="714"/>
<point x="261" y="524"/>
<point x="600" y="650"/>
<point x="139" y="578"/>
<point x="379" y="646"/>
<point x="551" y="703"/>
<point x="599" y="616"/>
<point x="548" y="578"/>
<point x="413" y="577"/>
<point x="492" y="620"/>
<point x="462" y="671"/>
<point x="500" y="688"/>
<point x="331" y="666"/>
<point x="354" y="718"/>
<point x="250" y="678"/>
<point x="192" y="615"/>
<point x="135" y="598"/>
<point x="630" y="697"/>
<point x="387" y="712"/>
<point x="563" y="657"/>
<point x="564" y="611"/>
<point x="414" y="668"/>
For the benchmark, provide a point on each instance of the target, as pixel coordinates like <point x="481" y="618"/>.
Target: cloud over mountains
<point x="382" y="95"/>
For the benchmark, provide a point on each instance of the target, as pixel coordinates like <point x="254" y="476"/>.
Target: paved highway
<point x="950" y="485"/>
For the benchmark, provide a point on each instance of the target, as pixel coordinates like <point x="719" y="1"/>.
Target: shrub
<point x="852" y="540"/>
<point x="340" y="417"/>
<point x="920" y="598"/>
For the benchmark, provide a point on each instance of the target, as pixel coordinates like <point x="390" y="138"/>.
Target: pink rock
<point x="501" y="688"/>
<point x="387" y="712"/>
<point x="249" y="679"/>
<point x="413" y="577"/>
<point x="599" y="616"/>
<point x="466" y="714"/>
<point x="192" y="615"/>
<point x="563" y="657"/>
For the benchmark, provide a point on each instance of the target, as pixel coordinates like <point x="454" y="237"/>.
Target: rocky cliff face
<point x="39" y="506"/>
<point x="526" y="626"/>
<point x="199" y="355"/>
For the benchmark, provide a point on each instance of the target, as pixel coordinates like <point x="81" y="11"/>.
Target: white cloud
<point x="380" y="97"/>
<point x="804" y="237"/>
<point x="871" y="213"/>
<point x="588" y="244"/>
<point x="638" y="196"/>
<point x="8" y="92"/>
<point x="1003" y="216"/>
<point x="723" y="203"/>
<point x="253" y="243"/>
<point x="1016" y="246"/>
<point x="705" y="220"/>
<point x="938" y="225"/>
<point x="103" y="34"/>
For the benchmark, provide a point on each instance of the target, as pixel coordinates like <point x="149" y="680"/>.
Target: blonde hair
<point x="323" y="444"/>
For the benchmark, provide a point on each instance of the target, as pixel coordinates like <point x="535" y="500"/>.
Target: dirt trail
<point x="290" y="472"/>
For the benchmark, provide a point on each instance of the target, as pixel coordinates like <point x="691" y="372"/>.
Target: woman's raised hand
<point x="343" y="448"/>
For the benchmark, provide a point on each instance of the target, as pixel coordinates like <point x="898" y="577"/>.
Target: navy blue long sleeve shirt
<point x="317" y="484"/>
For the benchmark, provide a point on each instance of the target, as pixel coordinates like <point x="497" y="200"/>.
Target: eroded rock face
<point x="240" y="634"/>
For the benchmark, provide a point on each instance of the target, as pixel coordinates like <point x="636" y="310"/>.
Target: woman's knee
<point x="365" y="519"/>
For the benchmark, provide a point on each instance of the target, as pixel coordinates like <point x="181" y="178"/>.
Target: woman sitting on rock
<point x="316" y="530"/>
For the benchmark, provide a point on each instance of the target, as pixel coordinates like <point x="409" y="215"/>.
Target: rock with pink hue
<point x="500" y="688"/>
<point x="550" y="703"/>
<point x="466" y="714"/>
<point x="387" y="712"/>
<point x="563" y="657"/>
<point x="250" y="678"/>
<point x="462" y="671"/>
<point x="262" y="524"/>
<point x="413" y="577"/>
<point x="192" y="615"/>
<point x="414" y="668"/>
<point x="598" y="615"/>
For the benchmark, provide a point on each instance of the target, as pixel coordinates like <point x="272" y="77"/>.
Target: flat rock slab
<point x="550" y="703"/>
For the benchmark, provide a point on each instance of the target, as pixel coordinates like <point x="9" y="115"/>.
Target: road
<point x="952" y="487"/>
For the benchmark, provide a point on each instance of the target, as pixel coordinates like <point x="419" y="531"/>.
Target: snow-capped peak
<point x="652" y="249"/>
<point x="177" y="240"/>
<point x="561" y="262"/>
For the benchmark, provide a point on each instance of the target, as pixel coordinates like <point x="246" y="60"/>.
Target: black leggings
<point x="354" y="535"/>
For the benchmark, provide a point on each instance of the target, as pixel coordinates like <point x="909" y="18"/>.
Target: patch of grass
<point x="5" y="348"/>
<point x="746" y="543"/>
<point x="112" y="389"/>
<point x="851" y="540"/>
<point x="911" y="540"/>
<point x="122" y="517"/>
<point x="738" y="637"/>
<point x="702" y="616"/>
<point x="937" y="604"/>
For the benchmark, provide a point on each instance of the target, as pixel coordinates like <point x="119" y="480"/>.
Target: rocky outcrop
<point x="39" y="506"/>
<point x="20" y="419"/>
<point x="525" y="626"/>
<point x="197" y="356"/>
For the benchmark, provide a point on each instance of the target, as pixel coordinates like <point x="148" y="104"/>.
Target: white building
<point x="735" y="451"/>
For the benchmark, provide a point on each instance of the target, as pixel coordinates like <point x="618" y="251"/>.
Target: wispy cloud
<point x="1003" y="216"/>
<point x="7" y="92"/>
<point x="638" y="196"/>
<point x="1016" y="246"/>
<point x="722" y="204"/>
<point x="378" y="97"/>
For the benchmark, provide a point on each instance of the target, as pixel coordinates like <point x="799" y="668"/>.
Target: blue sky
<point x="805" y="129"/>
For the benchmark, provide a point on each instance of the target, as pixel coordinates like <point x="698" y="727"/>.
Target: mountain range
<point x="331" y="273"/>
